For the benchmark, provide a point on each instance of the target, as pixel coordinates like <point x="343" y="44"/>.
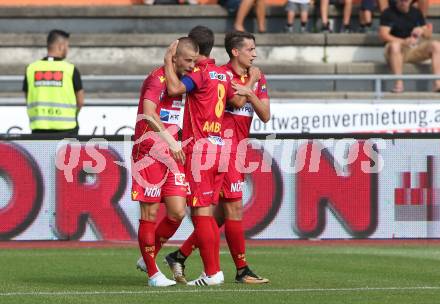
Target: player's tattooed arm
<point x="174" y="86"/>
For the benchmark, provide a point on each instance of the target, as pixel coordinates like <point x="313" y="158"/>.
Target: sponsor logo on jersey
<point x="229" y="108"/>
<point x="48" y="78"/>
<point x="212" y="126"/>
<point x="169" y="116"/>
<point x="221" y="77"/>
<point x="216" y="140"/>
<point x="153" y="192"/>
<point x="179" y="179"/>
<point x="236" y="187"/>
<point x="246" y="110"/>
<point x="215" y="75"/>
<point x="178" y="103"/>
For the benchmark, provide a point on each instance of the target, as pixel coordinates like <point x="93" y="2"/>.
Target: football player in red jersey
<point x="240" y="47"/>
<point x="157" y="161"/>
<point x="207" y="87"/>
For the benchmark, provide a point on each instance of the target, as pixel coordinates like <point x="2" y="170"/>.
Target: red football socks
<point x="146" y="245"/>
<point x="235" y="238"/>
<point x="189" y="245"/>
<point x="166" y="228"/>
<point x="216" y="231"/>
<point x="206" y="242"/>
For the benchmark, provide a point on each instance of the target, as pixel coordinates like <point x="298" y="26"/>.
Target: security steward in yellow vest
<point x="53" y="88"/>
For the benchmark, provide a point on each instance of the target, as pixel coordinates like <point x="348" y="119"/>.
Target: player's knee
<point x="149" y="216"/>
<point x="435" y="47"/>
<point x="177" y="215"/>
<point x="149" y="212"/>
<point x="394" y="48"/>
<point x="234" y="211"/>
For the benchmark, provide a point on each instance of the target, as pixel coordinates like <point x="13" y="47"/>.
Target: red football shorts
<point x="156" y="182"/>
<point x="201" y="171"/>
<point x="233" y="181"/>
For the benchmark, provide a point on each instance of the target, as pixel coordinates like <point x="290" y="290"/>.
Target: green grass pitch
<point x="298" y="274"/>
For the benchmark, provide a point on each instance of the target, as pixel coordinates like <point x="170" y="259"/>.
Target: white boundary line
<point x="287" y="290"/>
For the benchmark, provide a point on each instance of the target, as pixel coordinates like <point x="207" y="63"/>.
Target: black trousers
<point x="68" y="132"/>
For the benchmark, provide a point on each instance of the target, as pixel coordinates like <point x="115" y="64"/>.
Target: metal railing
<point x="377" y="78"/>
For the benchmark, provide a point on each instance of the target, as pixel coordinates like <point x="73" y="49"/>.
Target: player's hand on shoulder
<point x="241" y="89"/>
<point x="254" y="73"/>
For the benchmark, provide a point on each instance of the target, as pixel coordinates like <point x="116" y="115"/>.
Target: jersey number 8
<point x="220" y="106"/>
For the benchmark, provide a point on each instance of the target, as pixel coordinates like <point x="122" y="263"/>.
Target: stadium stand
<point x="130" y="40"/>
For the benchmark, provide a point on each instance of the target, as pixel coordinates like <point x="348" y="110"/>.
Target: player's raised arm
<point x="261" y="105"/>
<point x="243" y="92"/>
<point x="260" y="102"/>
<point x="239" y="99"/>
<point x="174" y="85"/>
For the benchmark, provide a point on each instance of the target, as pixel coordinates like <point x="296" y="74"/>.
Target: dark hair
<point x="187" y="42"/>
<point x="235" y="39"/>
<point x="55" y="35"/>
<point x="204" y="37"/>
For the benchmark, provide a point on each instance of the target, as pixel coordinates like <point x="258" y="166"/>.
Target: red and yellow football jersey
<point x="205" y="105"/>
<point x="239" y="119"/>
<point x="168" y="108"/>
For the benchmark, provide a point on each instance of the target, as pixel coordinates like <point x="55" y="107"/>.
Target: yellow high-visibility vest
<point x="51" y="100"/>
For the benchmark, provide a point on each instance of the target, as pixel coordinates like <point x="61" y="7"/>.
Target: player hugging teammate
<point x="210" y="89"/>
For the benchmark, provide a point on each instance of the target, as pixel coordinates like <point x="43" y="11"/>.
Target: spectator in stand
<point x="366" y="15"/>
<point x="293" y="6"/>
<point x="368" y="6"/>
<point x="347" y="4"/>
<point x="243" y="11"/>
<point x="422" y="5"/>
<point x="383" y="5"/>
<point x="408" y="39"/>
<point x="230" y="5"/>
